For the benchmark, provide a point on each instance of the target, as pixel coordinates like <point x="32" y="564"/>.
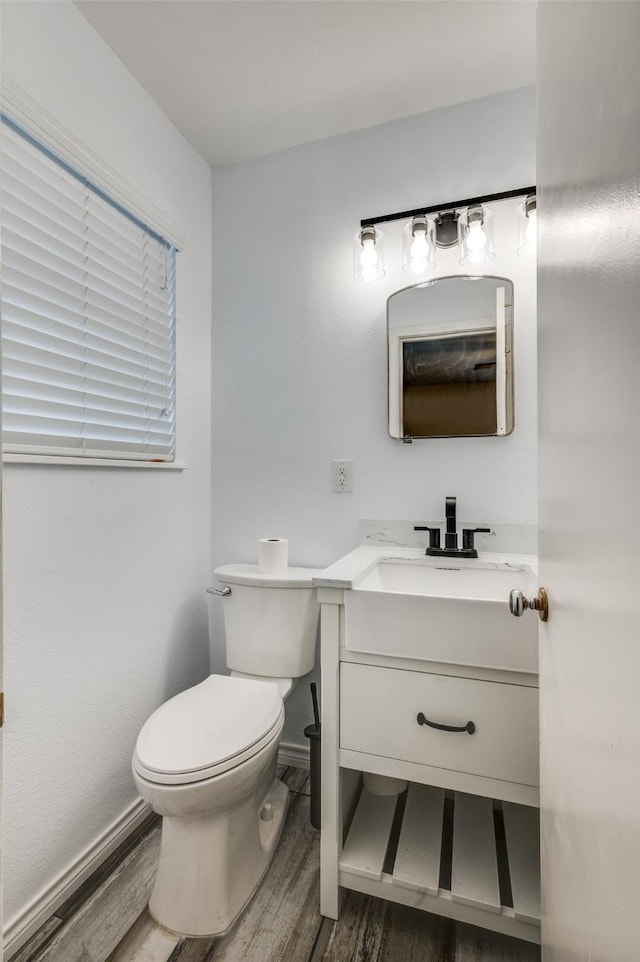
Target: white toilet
<point x="206" y="759"/>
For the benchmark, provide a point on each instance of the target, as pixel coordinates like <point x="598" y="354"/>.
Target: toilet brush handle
<point x="314" y="699"/>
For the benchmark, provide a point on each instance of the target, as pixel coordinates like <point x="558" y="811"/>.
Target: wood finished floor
<point x="107" y="920"/>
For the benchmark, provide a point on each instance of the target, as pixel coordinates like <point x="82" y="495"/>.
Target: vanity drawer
<point x="379" y="709"/>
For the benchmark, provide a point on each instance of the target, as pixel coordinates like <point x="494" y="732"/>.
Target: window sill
<point x="98" y="462"/>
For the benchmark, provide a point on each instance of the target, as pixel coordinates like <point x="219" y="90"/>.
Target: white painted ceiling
<point x="242" y="78"/>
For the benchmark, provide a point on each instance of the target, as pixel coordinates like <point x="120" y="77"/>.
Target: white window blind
<point x="88" y="316"/>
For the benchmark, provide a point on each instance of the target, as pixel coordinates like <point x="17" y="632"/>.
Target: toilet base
<point x="210" y="867"/>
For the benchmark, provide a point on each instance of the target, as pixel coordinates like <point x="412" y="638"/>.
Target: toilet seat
<point x="208" y="729"/>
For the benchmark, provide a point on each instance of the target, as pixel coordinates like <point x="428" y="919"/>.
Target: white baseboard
<point x="295" y="755"/>
<point x="21" y="927"/>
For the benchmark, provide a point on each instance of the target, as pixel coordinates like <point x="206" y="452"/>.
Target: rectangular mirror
<point x="450" y="370"/>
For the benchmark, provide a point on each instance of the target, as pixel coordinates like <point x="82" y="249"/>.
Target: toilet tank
<point x="270" y="621"/>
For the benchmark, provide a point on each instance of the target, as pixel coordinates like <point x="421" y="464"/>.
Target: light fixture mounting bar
<point x="451" y="205"/>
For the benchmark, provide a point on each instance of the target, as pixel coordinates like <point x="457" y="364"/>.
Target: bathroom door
<point x="1" y="706"/>
<point x="589" y="444"/>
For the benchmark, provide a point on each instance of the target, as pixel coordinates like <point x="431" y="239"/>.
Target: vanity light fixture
<point x="367" y="254"/>
<point x="474" y="237"/>
<point x="528" y="227"/>
<point x="466" y="223"/>
<point x="419" y="246"/>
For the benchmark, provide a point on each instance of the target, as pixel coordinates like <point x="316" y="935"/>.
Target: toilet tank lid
<point x="241" y="574"/>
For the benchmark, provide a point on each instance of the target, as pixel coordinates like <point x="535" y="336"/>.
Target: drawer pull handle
<point x="469" y="727"/>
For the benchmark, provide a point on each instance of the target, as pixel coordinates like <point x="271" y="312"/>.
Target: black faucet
<point x="451" y="549"/>
<point x="451" y="537"/>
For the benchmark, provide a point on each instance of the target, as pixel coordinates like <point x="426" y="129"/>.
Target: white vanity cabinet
<point x="463" y="840"/>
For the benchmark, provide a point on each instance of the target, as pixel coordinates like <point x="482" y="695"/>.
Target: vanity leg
<point x="331" y="832"/>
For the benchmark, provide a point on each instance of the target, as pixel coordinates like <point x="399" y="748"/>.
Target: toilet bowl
<point x="206" y="759"/>
<point x="206" y="762"/>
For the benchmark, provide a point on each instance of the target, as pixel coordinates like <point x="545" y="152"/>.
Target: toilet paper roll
<point x="273" y="556"/>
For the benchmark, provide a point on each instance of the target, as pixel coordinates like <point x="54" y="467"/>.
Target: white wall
<point x="105" y="568"/>
<point x="299" y="367"/>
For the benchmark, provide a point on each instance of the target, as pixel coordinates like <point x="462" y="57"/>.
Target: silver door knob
<point x="518" y="604"/>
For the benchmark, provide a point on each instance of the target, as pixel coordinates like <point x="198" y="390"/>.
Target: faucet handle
<point x="468" y="535"/>
<point x="434" y="534"/>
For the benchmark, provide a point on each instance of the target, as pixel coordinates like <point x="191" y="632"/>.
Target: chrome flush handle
<point x="220" y="591"/>
<point x="518" y="604"/>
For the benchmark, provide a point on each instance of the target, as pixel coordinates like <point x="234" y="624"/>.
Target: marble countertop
<point x="347" y="571"/>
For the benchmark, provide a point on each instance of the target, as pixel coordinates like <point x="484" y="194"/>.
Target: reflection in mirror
<point x="450" y="371"/>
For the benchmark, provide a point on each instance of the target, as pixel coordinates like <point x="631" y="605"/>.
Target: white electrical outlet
<point x="342" y="477"/>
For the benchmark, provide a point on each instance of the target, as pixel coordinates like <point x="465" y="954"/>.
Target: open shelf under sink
<point x="450" y="853"/>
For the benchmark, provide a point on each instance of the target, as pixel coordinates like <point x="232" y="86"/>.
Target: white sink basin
<point x="444" y="580"/>
<point x="444" y="610"/>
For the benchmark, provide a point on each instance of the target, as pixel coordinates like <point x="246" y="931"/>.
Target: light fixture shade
<point x="367" y="254"/>
<point x="528" y="227"/>
<point x="475" y="237"/>
<point x="419" y="246"/>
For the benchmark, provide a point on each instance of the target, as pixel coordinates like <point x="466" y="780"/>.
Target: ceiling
<point x="243" y="78"/>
